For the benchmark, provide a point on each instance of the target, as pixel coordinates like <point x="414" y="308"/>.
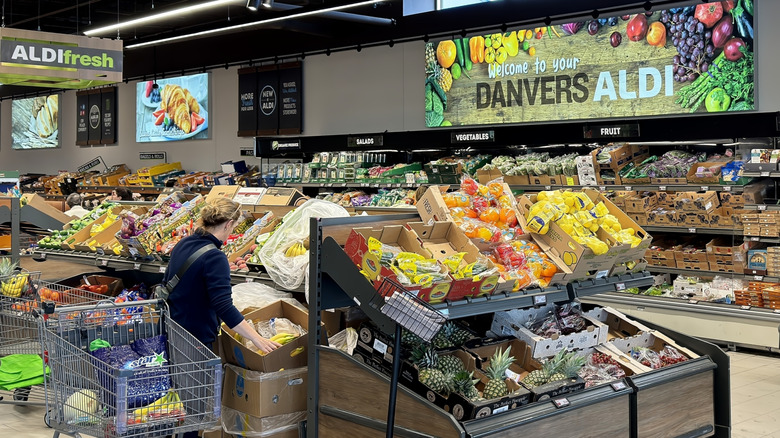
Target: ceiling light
<point x="253" y="5"/>
<point x="252" y="24"/>
<point x="160" y="16"/>
<point x="268" y="3"/>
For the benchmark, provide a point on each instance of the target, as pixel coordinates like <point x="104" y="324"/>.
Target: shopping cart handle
<point x="106" y="304"/>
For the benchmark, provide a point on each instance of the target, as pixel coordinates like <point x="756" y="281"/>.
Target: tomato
<point x="709" y="13"/>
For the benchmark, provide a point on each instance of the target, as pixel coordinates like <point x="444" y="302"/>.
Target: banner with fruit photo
<point x="173" y="109"/>
<point x="692" y="59"/>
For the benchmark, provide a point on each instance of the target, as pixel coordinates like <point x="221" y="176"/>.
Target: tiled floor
<point x="755" y="386"/>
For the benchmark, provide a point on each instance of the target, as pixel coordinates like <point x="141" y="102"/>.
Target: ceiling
<point x="282" y="39"/>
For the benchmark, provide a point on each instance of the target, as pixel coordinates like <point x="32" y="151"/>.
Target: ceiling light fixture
<point x="268" y="3"/>
<point x="252" y="24"/>
<point x="160" y="16"/>
<point x="252" y="5"/>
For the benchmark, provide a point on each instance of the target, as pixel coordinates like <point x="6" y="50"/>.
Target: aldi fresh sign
<point x="697" y="58"/>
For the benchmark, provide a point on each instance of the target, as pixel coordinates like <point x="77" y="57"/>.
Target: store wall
<point x="375" y="90"/>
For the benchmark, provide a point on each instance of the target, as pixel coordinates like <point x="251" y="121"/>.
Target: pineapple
<point x="440" y="341"/>
<point x="430" y="57"/>
<point x="455" y="334"/>
<point x="7" y="268"/>
<point x="12" y="284"/>
<point x="450" y="364"/>
<point x="568" y="367"/>
<point x="463" y="384"/>
<point x="433" y="378"/>
<point x="496" y="386"/>
<point x="444" y="78"/>
<point x="539" y="377"/>
<point x="424" y="356"/>
<point x="409" y="338"/>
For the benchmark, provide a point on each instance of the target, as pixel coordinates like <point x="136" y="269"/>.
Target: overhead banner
<point x="82" y="129"/>
<point x="54" y="60"/>
<point x="693" y="59"/>
<point x="94" y="117"/>
<point x="270" y="100"/>
<point x="109" y="108"/>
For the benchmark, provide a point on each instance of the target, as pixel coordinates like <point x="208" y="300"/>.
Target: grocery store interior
<point x="567" y="222"/>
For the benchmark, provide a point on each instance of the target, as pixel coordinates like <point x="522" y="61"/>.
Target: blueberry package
<point x="150" y="381"/>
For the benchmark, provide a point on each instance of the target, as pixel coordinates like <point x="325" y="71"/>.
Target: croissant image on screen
<point x="46" y="117"/>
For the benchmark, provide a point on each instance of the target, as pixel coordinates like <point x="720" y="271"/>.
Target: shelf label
<point x="628" y="188"/>
<point x="744" y="307"/>
<point x="356" y="141"/>
<point x="43" y="256"/>
<point x="561" y="402"/>
<point x="329" y="185"/>
<point x="249" y="279"/>
<point x="693" y="301"/>
<point x="691" y="230"/>
<point x="602" y="188"/>
<point x="662" y="188"/>
<point x="602" y="274"/>
<point x="726" y="188"/>
<point x="488" y="136"/>
<point x="104" y="262"/>
<point x="540" y="300"/>
<point x="762" y="207"/>
<point x="758" y="277"/>
<point x="286" y="145"/>
<point x="764" y="174"/>
<point x="163" y="268"/>
<point x="375" y="185"/>
<point x="548" y="187"/>
<point x="136" y="266"/>
<point x="776" y="311"/>
<point x="153" y="156"/>
<point x="501" y="409"/>
<point x="380" y="346"/>
<point x="618" y="386"/>
<point x="620" y="286"/>
<point x="622" y="130"/>
<point x="364" y="184"/>
<point x="705" y="188"/>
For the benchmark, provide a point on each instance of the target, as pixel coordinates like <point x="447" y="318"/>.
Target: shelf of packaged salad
<point x="681" y="271"/>
<point x="106" y="261"/>
<point x="637" y="187"/>
<point x="349" y="185"/>
<point x="762" y="207"/>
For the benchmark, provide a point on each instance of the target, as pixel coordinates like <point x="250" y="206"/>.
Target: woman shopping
<point x="203" y="295"/>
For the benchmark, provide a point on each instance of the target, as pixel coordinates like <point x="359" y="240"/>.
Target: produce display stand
<point x="347" y="397"/>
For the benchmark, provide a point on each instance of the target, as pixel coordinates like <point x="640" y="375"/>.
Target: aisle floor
<point x="755" y="386"/>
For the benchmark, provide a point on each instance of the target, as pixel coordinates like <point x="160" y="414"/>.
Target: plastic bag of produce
<point x="345" y="340"/>
<point x="290" y="271"/>
<point x="246" y="295"/>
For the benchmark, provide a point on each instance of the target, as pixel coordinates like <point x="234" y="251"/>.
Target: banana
<point x="284" y="338"/>
<point x="295" y="250"/>
<point x="168" y="404"/>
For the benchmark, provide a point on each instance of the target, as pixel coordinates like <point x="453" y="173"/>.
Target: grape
<point x="593" y="27"/>
<point x="676" y="59"/>
<point x="675" y="18"/>
<point x="684" y="35"/>
<point x="704" y="67"/>
<point x="680" y="71"/>
<point x="700" y="44"/>
<point x="707" y="35"/>
<point x="700" y="27"/>
<point x="692" y="76"/>
<point x="676" y="77"/>
<point x="690" y="42"/>
<point x="613" y="21"/>
<point x="696" y="52"/>
<point x="684" y="78"/>
<point x="691" y="64"/>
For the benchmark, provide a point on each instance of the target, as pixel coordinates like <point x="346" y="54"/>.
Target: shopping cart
<point x="20" y="347"/>
<point x="128" y="370"/>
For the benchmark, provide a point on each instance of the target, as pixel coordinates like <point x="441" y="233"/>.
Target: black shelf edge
<point x="585" y="288"/>
<point x="502" y="301"/>
<point x="692" y="230"/>
<point x="637" y="187"/>
<point x="762" y="207"/>
<point x="681" y="271"/>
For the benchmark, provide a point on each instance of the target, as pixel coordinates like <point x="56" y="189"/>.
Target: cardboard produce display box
<point x="261" y="394"/>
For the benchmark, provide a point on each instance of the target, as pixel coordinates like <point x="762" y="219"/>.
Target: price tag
<point x="628" y="188"/>
<point x="364" y="184"/>
<point x="758" y="277"/>
<point x="726" y="188"/>
<point x="764" y="174"/>
<point x="755" y="239"/>
<point x="163" y="268"/>
<point x="104" y="262"/>
<point x="136" y="266"/>
<point x="602" y="188"/>
<point x="620" y="286"/>
<point x="744" y="307"/>
<point x="329" y="185"/>
<point x="693" y="301"/>
<point x="322" y="184"/>
<point x="561" y="402"/>
<point x="375" y="185"/>
<point x="540" y="300"/>
<point x="380" y="346"/>
<point x="343" y="184"/>
<point x="43" y="256"/>
<point x="691" y="230"/>
<point x="618" y="386"/>
<point x="762" y="207"/>
<point x="548" y="187"/>
<point x="248" y="279"/>
<point x="662" y="188"/>
<point x="705" y="188"/>
<point x="501" y="409"/>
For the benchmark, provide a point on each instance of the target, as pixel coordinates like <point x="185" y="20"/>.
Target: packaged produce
<point x="600" y="368"/>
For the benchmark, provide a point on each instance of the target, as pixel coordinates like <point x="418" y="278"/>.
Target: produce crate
<point x="510" y="323"/>
<point x="158" y="169"/>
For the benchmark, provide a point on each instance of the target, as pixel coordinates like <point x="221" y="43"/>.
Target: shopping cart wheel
<point x="22" y="394"/>
<point x="47" y="419"/>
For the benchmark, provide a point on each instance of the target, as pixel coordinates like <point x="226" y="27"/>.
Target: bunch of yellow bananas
<point x="284" y="338"/>
<point x="295" y="250"/>
<point x="15" y="286"/>
<point x="166" y="406"/>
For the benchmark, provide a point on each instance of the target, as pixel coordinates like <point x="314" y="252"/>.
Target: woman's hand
<point x="265" y="345"/>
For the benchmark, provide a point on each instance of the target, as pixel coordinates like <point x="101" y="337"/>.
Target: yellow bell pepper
<point x="511" y="43"/>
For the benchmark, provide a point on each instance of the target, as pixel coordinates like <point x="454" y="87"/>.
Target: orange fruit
<point x="54" y="296"/>
<point x="446" y="53"/>
<point x="470" y="213"/>
<point x="490" y="215"/>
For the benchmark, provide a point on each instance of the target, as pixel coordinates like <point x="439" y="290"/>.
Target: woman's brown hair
<point x="219" y="211"/>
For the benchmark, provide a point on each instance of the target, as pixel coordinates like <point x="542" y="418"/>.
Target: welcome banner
<point x="693" y="59"/>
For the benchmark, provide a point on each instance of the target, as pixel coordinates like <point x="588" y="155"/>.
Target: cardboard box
<point x="662" y="216"/>
<point x="262" y="394"/>
<point x="618" y="158"/>
<point x="83" y="235"/>
<point x="115" y="285"/>
<point x="666" y="199"/>
<point x="515" y="179"/>
<point x="37" y="202"/>
<point x="540" y="180"/>
<point x="669" y="263"/>
<point x="586" y="170"/>
<point x="399" y="236"/>
<point x="724" y="259"/>
<point x="572" y="180"/>
<point x="693" y="219"/>
<point x="618" y="325"/>
<point x="696" y="266"/>
<point x="619" y="198"/>
<point x="690" y="255"/>
<point x="705" y="173"/>
<point x="653" y="340"/>
<point x="287" y="356"/>
<point x="280" y="196"/>
<point x="511" y="323"/>
<point x="722" y="217"/>
<point x="639" y="218"/>
<point x="756" y="259"/>
<point x="727" y="267"/>
<point x="724" y="246"/>
<point x="223" y="192"/>
<point x="445" y="239"/>
<point x="641" y="204"/>
<point x="485" y="176"/>
<point x="696" y="201"/>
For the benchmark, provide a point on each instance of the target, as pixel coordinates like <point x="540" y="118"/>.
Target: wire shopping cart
<point x="128" y="370"/>
<point x="22" y="355"/>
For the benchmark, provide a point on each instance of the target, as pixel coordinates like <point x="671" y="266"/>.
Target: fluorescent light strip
<point x="253" y="24"/>
<point x="160" y="16"/>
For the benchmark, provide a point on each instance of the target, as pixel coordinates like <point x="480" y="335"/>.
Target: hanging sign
<point x="268" y="101"/>
<point x="290" y="114"/>
<point x="153" y="156"/>
<point x="82" y="130"/>
<point x="473" y="137"/>
<point x="359" y="141"/>
<point x="89" y="165"/>
<point x="247" y="102"/>
<point x="54" y="60"/>
<point x="109" y="108"/>
<point x="628" y="130"/>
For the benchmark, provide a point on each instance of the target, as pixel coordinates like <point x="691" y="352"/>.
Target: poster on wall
<point x="35" y="122"/>
<point x="82" y="132"/>
<point x="692" y="59"/>
<point x="270" y="100"/>
<point x="177" y="109"/>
